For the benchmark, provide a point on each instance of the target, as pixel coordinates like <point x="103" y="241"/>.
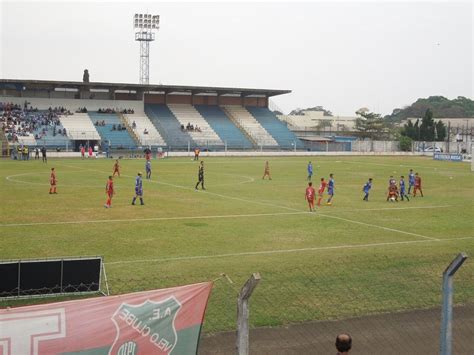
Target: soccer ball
<point x="392" y="199"/>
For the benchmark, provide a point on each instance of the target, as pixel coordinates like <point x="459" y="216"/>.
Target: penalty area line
<point x="155" y="219"/>
<point x="380" y="227"/>
<point x="391" y="208"/>
<point x="281" y="251"/>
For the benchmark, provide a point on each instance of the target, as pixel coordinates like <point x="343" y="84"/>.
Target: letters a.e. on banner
<point x="164" y="321"/>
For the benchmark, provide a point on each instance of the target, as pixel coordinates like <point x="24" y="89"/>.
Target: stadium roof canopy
<point x="49" y="85"/>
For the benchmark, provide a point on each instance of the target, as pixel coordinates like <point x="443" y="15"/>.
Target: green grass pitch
<point x="243" y="224"/>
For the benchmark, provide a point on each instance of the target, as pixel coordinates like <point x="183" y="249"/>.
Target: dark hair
<point x="343" y="342"/>
<point x="310" y="183"/>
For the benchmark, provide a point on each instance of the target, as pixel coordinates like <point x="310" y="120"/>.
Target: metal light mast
<point x="145" y="26"/>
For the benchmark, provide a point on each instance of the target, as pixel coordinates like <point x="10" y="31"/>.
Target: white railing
<point x="83" y="135"/>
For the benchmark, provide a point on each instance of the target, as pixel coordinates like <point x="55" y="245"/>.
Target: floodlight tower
<point x="145" y="26"/>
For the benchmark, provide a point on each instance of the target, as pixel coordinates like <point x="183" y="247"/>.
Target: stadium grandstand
<point x="115" y="116"/>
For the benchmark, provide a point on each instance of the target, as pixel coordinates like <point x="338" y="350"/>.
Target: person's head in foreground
<point x="343" y="343"/>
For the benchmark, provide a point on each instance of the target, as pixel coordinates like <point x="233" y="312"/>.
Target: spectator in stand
<point x="134" y="125"/>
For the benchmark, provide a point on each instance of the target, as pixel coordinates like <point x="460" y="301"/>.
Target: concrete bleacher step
<point x="248" y="124"/>
<point x="168" y="126"/>
<point x="228" y="131"/>
<point x="187" y="114"/>
<point x="110" y="137"/>
<point x="79" y="127"/>
<point x="142" y="122"/>
<point x="275" y="127"/>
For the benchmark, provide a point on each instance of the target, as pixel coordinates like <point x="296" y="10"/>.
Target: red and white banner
<point x="164" y="321"/>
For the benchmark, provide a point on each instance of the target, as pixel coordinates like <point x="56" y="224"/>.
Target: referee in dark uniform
<point x="200" y="176"/>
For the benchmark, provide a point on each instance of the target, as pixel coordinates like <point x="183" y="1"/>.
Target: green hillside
<point x="460" y="107"/>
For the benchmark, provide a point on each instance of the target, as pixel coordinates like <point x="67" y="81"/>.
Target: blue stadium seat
<point x="278" y="129"/>
<point x="168" y="126"/>
<point x="117" y="139"/>
<point x="224" y="127"/>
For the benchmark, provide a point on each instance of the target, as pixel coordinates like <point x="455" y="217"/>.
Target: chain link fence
<point x="391" y="306"/>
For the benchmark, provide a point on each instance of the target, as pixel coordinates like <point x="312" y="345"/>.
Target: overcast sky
<point x="341" y="55"/>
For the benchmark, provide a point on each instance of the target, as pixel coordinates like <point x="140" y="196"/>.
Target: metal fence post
<point x="243" y="314"/>
<point x="447" y="308"/>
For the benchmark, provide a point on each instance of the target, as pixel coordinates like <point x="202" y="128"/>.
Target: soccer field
<point x="242" y="224"/>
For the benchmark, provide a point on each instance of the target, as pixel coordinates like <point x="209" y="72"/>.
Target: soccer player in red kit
<point x="52" y="182"/>
<point x="116" y="168"/>
<point x="417" y="185"/>
<point x="309" y="196"/>
<point x="322" y="187"/>
<point x="109" y="190"/>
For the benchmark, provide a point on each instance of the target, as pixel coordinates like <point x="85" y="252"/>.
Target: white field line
<point x="380" y="227"/>
<point x="155" y="219"/>
<point x="11" y="179"/>
<point x="391" y="208"/>
<point x="275" y="205"/>
<point x="247" y="179"/>
<point x="282" y="251"/>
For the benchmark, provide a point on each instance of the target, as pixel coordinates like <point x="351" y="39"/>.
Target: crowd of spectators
<point x="81" y="110"/>
<point x="112" y="110"/>
<point x="190" y="128"/>
<point x="17" y="121"/>
<point x="106" y="110"/>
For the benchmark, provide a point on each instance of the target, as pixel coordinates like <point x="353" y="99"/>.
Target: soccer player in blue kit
<point x="310" y="171"/>
<point x="411" y="180"/>
<point x="148" y="169"/>
<point x="366" y="189"/>
<point x="402" y="188"/>
<point x="138" y="189"/>
<point x="330" y="189"/>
